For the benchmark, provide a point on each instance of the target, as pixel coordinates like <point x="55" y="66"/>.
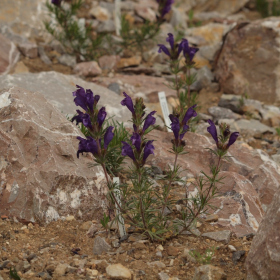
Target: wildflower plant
<point x="76" y="37"/>
<point x="141" y="204"/>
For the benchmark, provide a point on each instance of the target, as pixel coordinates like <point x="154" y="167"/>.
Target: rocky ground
<point x="237" y="71"/>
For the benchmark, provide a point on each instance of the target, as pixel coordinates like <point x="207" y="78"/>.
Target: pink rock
<point x="249" y="60"/>
<point x="29" y="49"/>
<point x="263" y="261"/>
<point x="88" y="69"/>
<point x="42" y="179"/>
<point x="108" y="62"/>
<point x="9" y="55"/>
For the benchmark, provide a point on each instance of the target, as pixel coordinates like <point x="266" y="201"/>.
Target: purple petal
<point x="80" y="99"/>
<point x="232" y="139"/>
<point x="128" y="103"/>
<point x="148" y="150"/>
<point x="175" y="126"/>
<point x="191" y="113"/>
<point x="90" y="99"/>
<point x="108" y="136"/>
<point x="150" y="120"/>
<point x="136" y="141"/>
<point x="170" y="40"/>
<point x="83" y="118"/>
<point x="92" y="146"/>
<point x="164" y="49"/>
<point x="101" y="116"/>
<point x="127" y="150"/>
<point x="212" y="130"/>
<point x="82" y="146"/>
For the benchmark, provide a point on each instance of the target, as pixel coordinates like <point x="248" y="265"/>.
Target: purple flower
<point x="213" y="131"/>
<point x="148" y="150"/>
<point x="188" y="51"/>
<point x="83" y="118"/>
<point x="127" y="150"/>
<point x="170" y="40"/>
<point x="128" y="103"/>
<point x="164" y="49"/>
<point x="85" y="99"/>
<point x="232" y="139"/>
<point x="150" y="120"/>
<point x="101" y="116"/>
<point x="136" y="141"/>
<point x="56" y="2"/>
<point x="175" y="126"/>
<point x="189" y="114"/>
<point x="164" y="7"/>
<point x="108" y="136"/>
<point x="185" y="129"/>
<point x="88" y="145"/>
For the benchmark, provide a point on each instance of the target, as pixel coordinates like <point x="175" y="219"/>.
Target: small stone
<point x="232" y="248"/>
<point x="220" y="236"/>
<point x="106" y="26"/>
<point x="92" y="272"/>
<point x="108" y="62"/>
<point x="100" y="246"/>
<point x="86" y="226"/>
<point x="236" y="256"/>
<point x="100" y="13"/>
<point x="117" y="271"/>
<point x="43" y="275"/>
<point x="212" y="218"/>
<point x="163" y="276"/>
<point x="87" y="69"/>
<point x="209" y="272"/>
<point x="60" y="270"/>
<point x="159" y="254"/>
<point x="127" y="62"/>
<point x="159" y="248"/>
<point x="158" y="264"/>
<point x="172" y="251"/>
<point x="43" y="55"/>
<point x="69" y="218"/>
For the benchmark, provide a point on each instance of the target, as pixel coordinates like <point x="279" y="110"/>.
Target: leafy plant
<point x="205" y="258"/>
<point x="105" y="221"/>
<point x="13" y="274"/>
<point x="192" y="22"/>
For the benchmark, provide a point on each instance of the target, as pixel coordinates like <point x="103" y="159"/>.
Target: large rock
<point x="250" y="59"/>
<point x="57" y="89"/>
<point x="251" y="178"/>
<point x="9" y="55"/>
<point x="224" y="7"/>
<point x="41" y="177"/>
<point x="24" y="18"/>
<point x="263" y="261"/>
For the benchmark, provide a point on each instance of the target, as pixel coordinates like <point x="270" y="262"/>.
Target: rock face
<point x="263" y="261"/>
<point x="41" y="177"/>
<point x="9" y="55"/>
<point x="224" y="7"/>
<point x="249" y="60"/>
<point x="251" y="178"/>
<point x="57" y="89"/>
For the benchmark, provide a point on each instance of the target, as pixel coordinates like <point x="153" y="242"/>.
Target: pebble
<point x="220" y="236"/>
<point x="236" y="256"/>
<point x="100" y="246"/>
<point x="232" y="248"/>
<point x="60" y="270"/>
<point x="163" y="276"/>
<point x="117" y="271"/>
<point x="69" y="218"/>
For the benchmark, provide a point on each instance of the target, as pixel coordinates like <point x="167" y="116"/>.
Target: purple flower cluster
<point x="226" y="135"/>
<point x="180" y="128"/>
<point x="140" y="149"/>
<point x="164" y="7"/>
<point x="93" y="119"/>
<point x="175" y="50"/>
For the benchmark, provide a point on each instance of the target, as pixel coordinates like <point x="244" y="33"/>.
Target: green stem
<point x="141" y="202"/>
